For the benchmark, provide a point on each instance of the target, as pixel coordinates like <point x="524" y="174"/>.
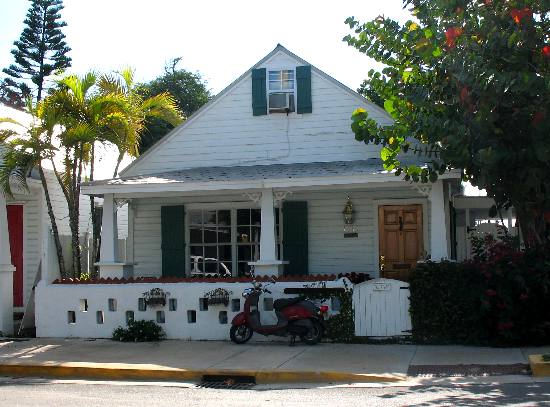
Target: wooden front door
<point x="15" y="230"/>
<point x="401" y="239"/>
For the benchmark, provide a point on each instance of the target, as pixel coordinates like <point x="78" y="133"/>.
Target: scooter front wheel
<point x="240" y="333"/>
<point x="314" y="335"/>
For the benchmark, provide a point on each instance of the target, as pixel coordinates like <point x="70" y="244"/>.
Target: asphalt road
<point x="40" y="392"/>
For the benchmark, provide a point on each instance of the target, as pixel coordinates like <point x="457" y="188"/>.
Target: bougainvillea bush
<point x="501" y="297"/>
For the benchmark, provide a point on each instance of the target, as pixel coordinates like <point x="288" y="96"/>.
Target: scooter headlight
<point x="247" y="292"/>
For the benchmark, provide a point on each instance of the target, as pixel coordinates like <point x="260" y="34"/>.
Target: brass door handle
<point x="382" y="262"/>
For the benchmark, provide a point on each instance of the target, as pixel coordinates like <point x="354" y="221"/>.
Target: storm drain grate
<point x="230" y="382"/>
<point x="468" y="370"/>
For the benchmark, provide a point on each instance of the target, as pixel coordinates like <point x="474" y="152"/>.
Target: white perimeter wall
<point x="329" y="251"/>
<point x="53" y="301"/>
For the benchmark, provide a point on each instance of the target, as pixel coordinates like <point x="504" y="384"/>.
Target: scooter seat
<point x="285" y="302"/>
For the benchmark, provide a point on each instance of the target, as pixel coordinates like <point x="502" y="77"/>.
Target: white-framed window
<point x="224" y="240"/>
<point x="281" y="90"/>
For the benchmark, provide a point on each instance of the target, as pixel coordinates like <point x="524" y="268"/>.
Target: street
<point x="42" y="392"/>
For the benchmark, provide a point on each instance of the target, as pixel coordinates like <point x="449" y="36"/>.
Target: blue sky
<point x="219" y="39"/>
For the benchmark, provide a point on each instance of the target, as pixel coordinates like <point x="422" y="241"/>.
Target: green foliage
<point x="40" y="52"/>
<point x="340" y="327"/>
<point x="189" y="91"/>
<point x="467" y="84"/>
<point x="139" y="331"/>
<point x="501" y="299"/>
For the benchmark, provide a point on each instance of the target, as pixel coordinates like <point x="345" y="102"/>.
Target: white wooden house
<point x="260" y="176"/>
<point x="273" y="152"/>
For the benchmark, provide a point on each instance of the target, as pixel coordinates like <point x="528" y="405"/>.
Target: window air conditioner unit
<point x="280" y="102"/>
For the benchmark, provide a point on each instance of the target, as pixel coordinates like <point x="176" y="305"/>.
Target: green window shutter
<point x="173" y="240"/>
<point x="295" y="237"/>
<point x="303" y="81"/>
<point x="259" y="98"/>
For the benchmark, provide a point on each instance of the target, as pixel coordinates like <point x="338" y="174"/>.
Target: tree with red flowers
<point x="467" y="84"/>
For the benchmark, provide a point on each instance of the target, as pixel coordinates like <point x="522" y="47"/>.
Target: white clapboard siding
<point x="226" y="133"/>
<point x="329" y="251"/>
<point x="381" y="308"/>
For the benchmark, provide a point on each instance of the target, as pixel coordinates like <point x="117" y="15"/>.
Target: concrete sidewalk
<point x="268" y="362"/>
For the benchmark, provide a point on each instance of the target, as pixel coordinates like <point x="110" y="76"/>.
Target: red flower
<point x="451" y="34"/>
<point x="523" y="296"/>
<point x="490" y="293"/>
<point x="546" y="51"/>
<point x="519" y="14"/>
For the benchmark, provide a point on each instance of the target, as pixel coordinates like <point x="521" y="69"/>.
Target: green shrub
<point x="501" y="298"/>
<point x="139" y="331"/>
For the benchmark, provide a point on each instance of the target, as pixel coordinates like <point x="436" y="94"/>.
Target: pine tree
<point x="40" y="51"/>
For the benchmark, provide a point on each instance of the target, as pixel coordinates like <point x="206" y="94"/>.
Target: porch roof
<point x="249" y="177"/>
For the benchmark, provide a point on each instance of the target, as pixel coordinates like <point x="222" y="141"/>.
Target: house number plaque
<point x="381" y="287"/>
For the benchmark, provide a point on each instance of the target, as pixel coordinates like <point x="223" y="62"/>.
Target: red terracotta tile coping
<point x="158" y="280"/>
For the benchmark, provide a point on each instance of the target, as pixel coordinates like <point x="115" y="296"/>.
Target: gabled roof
<point x="212" y="102"/>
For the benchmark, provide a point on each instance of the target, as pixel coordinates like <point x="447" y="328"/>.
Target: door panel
<point x="401" y="239"/>
<point x="15" y="230"/>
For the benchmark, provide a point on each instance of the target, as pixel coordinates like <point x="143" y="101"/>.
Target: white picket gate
<point x="381" y="308"/>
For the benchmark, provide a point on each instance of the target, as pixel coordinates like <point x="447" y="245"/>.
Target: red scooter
<point x="295" y="317"/>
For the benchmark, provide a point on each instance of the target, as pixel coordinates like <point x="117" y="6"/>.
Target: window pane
<point x="196" y="251"/>
<point x="210" y="235"/>
<point x="287" y="74"/>
<point x="225" y="267"/>
<point x="224" y="218"/>
<point x="274" y="75"/>
<point x="255" y="234"/>
<point x="243" y="216"/>
<point x="274" y="85"/>
<point x="224" y="253"/>
<point x="243" y="268"/>
<point x="243" y="234"/>
<point x="288" y="85"/>
<point x="210" y="217"/>
<point x="211" y="267"/>
<point x="195" y="234"/>
<point x="211" y="252"/>
<point x="224" y="235"/>
<point x="256" y="217"/>
<point x="255" y="253"/>
<point x="244" y="253"/>
<point x="195" y="217"/>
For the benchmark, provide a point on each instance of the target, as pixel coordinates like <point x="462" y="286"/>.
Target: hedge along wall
<point x="500" y="299"/>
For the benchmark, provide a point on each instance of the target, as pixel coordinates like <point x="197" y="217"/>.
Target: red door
<point x="15" y="229"/>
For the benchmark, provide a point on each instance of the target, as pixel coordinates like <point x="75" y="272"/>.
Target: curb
<point x="119" y="371"/>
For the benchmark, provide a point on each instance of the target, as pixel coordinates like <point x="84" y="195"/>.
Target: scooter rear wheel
<point x="314" y="335"/>
<point x="240" y="333"/>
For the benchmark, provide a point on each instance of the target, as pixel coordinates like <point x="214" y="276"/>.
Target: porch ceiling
<point x="249" y="177"/>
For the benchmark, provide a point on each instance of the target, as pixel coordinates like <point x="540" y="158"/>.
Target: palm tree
<point x="137" y="110"/>
<point x="21" y="154"/>
<point x="85" y="117"/>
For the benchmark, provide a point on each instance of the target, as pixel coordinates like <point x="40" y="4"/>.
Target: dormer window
<point x="281" y="87"/>
<point x="281" y="91"/>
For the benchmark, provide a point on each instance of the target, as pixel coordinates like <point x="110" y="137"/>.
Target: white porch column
<point x="6" y="273"/>
<point x="438" y="240"/>
<point x="109" y="264"/>
<point x="268" y="263"/>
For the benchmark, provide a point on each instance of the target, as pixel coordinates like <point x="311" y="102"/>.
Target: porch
<point x="279" y="219"/>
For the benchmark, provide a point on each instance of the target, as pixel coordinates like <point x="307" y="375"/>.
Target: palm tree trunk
<point x="93" y="249"/>
<point x="118" y="161"/>
<point x="55" y="231"/>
